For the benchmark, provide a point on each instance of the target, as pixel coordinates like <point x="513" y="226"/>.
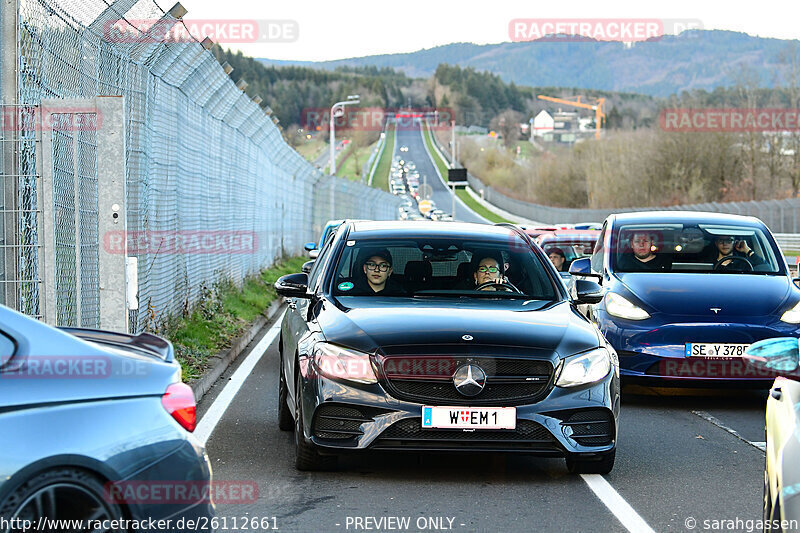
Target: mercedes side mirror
<point x="293" y="285"/>
<point x="588" y="292"/>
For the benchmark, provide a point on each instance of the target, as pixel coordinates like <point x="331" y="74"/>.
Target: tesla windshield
<point x="710" y="248"/>
<point x="443" y="266"/>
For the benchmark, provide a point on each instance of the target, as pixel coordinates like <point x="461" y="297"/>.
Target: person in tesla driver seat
<point x="726" y="246"/>
<point x="643" y="256"/>
<point x="377" y="269"/>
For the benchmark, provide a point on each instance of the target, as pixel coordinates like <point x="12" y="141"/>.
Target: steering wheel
<point x="748" y="266"/>
<point x="500" y="284"/>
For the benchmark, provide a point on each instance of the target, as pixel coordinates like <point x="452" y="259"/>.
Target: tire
<point x="72" y="494"/>
<point x="285" y="421"/>
<point x="307" y="458"/>
<point x="603" y="465"/>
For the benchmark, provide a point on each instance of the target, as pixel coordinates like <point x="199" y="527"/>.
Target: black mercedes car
<point x="443" y="337"/>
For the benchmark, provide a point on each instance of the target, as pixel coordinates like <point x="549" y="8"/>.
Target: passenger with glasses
<point x="377" y="275"/>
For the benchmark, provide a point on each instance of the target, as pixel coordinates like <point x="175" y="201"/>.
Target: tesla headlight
<point x="792" y="316"/>
<point x="339" y="363"/>
<point x="617" y="305"/>
<point x="584" y="368"/>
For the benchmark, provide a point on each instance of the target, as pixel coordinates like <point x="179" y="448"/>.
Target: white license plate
<point x="469" y="417"/>
<point x="706" y="349"/>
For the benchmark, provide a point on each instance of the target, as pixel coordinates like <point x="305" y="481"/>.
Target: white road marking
<point x="615" y="503"/>
<point x="708" y="418"/>
<point x="214" y="414"/>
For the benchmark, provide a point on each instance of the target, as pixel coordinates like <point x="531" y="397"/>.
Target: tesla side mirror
<point x="588" y="292"/>
<point x="310" y="246"/>
<point x="583" y="267"/>
<point x="308" y="265"/>
<point x="778" y="356"/>
<point x="293" y="285"/>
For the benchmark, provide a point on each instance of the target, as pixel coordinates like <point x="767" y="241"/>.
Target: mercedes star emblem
<point x="716" y="309"/>
<point x="469" y="379"/>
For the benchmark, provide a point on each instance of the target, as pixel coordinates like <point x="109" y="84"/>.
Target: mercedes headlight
<point x="792" y="316"/>
<point x="617" y="305"/>
<point x="584" y="368"/>
<point x="335" y="362"/>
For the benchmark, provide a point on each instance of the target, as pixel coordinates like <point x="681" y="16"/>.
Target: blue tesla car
<point x="685" y="294"/>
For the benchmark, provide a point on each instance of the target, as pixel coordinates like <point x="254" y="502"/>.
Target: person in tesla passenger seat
<point x="643" y="256"/>
<point x="377" y="275"/>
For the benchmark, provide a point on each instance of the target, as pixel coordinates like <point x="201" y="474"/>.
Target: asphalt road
<point x="410" y="135"/>
<point x="675" y="463"/>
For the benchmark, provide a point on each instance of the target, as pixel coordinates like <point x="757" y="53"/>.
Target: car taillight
<point x="178" y="400"/>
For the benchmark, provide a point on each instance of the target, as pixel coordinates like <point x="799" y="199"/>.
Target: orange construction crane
<point x="575" y="101"/>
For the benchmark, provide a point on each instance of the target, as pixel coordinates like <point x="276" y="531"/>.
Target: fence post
<point x="111" y="213"/>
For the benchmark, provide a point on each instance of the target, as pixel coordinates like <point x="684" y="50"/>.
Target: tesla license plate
<point x="699" y="349"/>
<point x="469" y="417"/>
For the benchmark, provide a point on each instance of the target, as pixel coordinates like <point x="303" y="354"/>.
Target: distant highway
<point x="411" y="136"/>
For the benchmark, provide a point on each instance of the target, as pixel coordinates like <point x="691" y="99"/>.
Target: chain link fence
<point x="203" y="161"/>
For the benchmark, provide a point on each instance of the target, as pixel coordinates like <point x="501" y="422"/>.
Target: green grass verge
<point x="473" y="204"/>
<point x="223" y="313"/>
<point x="437" y="160"/>
<point x="381" y="178"/>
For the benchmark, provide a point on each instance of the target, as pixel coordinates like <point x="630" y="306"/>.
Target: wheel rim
<point x="67" y="501"/>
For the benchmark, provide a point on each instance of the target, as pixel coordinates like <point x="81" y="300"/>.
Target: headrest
<point x="464" y="271"/>
<point x="418" y="271"/>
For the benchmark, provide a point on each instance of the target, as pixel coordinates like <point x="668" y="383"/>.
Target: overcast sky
<point x="335" y="30"/>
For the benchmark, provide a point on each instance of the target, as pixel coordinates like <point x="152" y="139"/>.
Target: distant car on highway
<point x="404" y="148"/>
<point x="687" y="292"/>
<point x="439" y="360"/>
<point x="87" y="415"/>
<point x="780" y="357"/>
